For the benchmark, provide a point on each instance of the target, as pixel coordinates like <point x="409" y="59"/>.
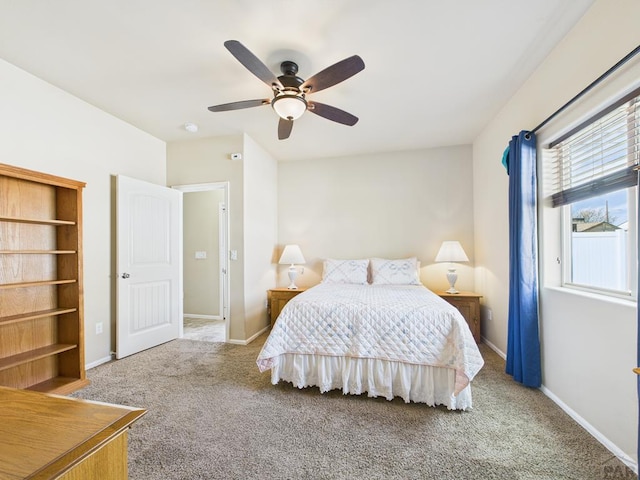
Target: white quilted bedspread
<point x="402" y="323"/>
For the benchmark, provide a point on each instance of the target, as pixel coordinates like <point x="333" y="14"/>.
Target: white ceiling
<point x="436" y="71"/>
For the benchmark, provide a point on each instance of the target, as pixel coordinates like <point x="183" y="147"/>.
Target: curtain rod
<point x="627" y="57"/>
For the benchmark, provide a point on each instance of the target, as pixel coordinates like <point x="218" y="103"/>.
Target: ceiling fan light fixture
<point x="289" y="90"/>
<point x="289" y="106"/>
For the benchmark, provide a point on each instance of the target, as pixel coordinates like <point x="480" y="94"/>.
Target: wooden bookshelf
<point x="41" y="296"/>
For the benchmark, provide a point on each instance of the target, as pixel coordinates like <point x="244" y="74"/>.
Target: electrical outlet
<point x="98" y="328"/>
<point x="489" y="314"/>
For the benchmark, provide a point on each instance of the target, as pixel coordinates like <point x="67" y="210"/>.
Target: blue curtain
<point x="523" y="347"/>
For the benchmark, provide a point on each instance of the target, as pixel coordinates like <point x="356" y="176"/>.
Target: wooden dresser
<point x="277" y="298"/>
<point x="468" y="303"/>
<point x="45" y="436"/>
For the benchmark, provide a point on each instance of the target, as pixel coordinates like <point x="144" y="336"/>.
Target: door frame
<point x="223" y="247"/>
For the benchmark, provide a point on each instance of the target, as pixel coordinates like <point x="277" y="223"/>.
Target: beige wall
<point x="252" y="217"/>
<point x="391" y="205"/>
<point x="201" y="234"/>
<point x="43" y="128"/>
<point x="588" y="343"/>
<point x="206" y="161"/>
<point x="260" y="233"/>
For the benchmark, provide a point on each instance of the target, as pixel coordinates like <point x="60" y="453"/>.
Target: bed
<point x="379" y="332"/>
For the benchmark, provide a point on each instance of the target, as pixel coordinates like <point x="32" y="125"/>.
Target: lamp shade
<point x="451" y="251"/>
<point x="292" y="255"/>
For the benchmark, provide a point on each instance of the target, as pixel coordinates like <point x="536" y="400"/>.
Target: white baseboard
<point x="494" y="348"/>
<point x="608" y="444"/>
<point x="250" y="339"/>
<point x="99" y="362"/>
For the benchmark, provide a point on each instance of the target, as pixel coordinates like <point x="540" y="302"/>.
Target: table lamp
<point x="292" y="255"/>
<point x="451" y="251"/>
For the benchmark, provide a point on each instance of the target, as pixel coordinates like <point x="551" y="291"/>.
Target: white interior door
<point x="149" y="265"/>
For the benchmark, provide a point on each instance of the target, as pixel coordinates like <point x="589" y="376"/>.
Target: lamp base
<point x="293" y="274"/>
<point x="452" y="276"/>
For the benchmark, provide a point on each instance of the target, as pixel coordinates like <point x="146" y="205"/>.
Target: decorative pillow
<point x="345" y="271"/>
<point x="395" y="272"/>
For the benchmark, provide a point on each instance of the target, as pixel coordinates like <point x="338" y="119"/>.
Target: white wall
<point x="588" y="344"/>
<point x="391" y="205"/>
<point x="45" y="129"/>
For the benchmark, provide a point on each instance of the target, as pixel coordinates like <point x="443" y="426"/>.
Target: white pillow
<point x="345" y="271"/>
<point x="394" y="272"/>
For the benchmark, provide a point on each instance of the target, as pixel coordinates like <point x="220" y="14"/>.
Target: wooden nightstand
<point x="277" y="298"/>
<point x="468" y="303"/>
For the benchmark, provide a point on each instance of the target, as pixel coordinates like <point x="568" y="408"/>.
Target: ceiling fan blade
<point x="225" y="107"/>
<point x="252" y="63"/>
<point x="332" y="113"/>
<point x="284" y="128"/>
<point x="336" y="73"/>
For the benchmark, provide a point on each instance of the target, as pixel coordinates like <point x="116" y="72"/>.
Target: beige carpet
<point x="212" y="415"/>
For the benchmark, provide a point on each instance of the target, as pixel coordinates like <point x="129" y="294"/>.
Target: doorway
<point x="205" y="262"/>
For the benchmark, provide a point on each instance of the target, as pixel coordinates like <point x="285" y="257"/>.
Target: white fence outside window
<point x="599" y="259"/>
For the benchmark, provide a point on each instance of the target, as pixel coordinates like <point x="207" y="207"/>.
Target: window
<point x="594" y="180"/>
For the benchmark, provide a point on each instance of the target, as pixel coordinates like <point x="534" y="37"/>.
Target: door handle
<point x="125" y="275"/>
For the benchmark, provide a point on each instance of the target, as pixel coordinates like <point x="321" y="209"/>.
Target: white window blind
<point x="599" y="156"/>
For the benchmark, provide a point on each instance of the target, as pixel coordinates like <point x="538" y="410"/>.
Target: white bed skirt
<point x="378" y="378"/>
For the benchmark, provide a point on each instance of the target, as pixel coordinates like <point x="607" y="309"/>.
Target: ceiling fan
<point x="290" y="91"/>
